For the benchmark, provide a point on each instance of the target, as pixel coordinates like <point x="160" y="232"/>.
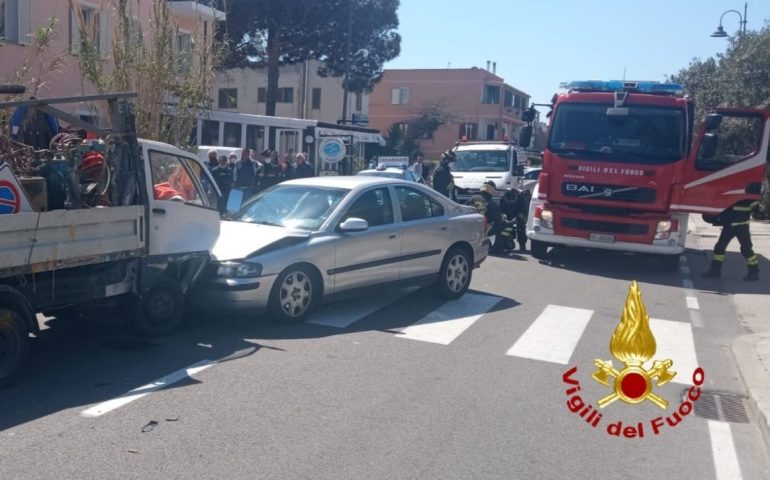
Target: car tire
<point x="539" y="249"/>
<point x="294" y="295"/>
<point x="161" y="311"/>
<point x="14" y="345"/>
<point x="455" y="274"/>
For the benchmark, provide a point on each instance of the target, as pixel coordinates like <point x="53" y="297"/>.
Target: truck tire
<point x="14" y="344"/>
<point x="161" y="311"/>
<point x="539" y="249"/>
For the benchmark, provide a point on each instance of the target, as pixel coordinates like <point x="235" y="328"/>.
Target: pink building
<point x="486" y="107"/>
<point x="19" y="19"/>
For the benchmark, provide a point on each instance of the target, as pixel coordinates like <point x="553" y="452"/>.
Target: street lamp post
<point x="347" y="64"/>
<point x="720" y="31"/>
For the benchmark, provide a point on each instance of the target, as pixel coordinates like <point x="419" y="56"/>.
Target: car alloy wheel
<point x="296" y="294"/>
<point x="457" y="273"/>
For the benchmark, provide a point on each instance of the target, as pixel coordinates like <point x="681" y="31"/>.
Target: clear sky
<point x="539" y="43"/>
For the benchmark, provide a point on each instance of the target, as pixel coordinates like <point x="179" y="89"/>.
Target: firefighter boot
<point x="715" y="270"/>
<point x="753" y="274"/>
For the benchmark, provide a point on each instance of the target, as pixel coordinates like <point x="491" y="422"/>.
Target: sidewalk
<point x="752" y="304"/>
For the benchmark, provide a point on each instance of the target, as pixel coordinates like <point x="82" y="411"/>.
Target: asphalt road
<point x="397" y="385"/>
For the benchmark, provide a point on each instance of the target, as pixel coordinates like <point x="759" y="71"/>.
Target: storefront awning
<point x="363" y="137"/>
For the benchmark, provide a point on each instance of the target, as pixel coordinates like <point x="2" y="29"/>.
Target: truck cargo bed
<point x="37" y="242"/>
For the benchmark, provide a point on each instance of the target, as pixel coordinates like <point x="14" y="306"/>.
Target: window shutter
<point x="25" y="22"/>
<point x="395" y="96"/>
<point x="74" y="33"/>
<point x="104" y="34"/>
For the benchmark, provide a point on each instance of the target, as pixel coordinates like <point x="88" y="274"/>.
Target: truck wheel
<point x="295" y="293"/>
<point x="539" y="249"/>
<point x="669" y="263"/>
<point x="14" y="345"/>
<point x="160" y="312"/>
<point x="454" y="278"/>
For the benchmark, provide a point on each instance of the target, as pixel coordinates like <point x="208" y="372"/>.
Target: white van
<point x="479" y="162"/>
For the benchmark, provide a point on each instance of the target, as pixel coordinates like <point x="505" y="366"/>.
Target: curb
<point x="755" y="377"/>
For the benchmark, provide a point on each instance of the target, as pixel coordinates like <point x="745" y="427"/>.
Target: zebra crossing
<point x="552" y="336"/>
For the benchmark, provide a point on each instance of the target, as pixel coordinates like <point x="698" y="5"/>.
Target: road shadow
<point x="75" y="364"/>
<point x="733" y="271"/>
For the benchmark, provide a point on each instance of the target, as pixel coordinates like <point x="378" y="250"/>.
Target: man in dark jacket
<point x="515" y="205"/>
<point x="245" y="174"/>
<point x="223" y="176"/>
<point x="735" y="224"/>
<point x="302" y="169"/>
<point x="443" y="182"/>
<point x="496" y="227"/>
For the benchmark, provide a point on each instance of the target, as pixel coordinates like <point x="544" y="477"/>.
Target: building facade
<point x="19" y="19"/>
<point x="302" y="93"/>
<point x="484" y="106"/>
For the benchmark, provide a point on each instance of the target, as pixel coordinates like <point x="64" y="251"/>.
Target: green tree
<point x="271" y="33"/>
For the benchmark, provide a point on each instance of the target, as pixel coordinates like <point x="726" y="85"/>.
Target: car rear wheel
<point x="455" y="275"/>
<point x="294" y="295"/>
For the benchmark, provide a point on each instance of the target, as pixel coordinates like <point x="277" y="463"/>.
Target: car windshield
<point x="481" y="161"/>
<point x="303" y="207"/>
<point x="646" y="135"/>
<point x="374" y="173"/>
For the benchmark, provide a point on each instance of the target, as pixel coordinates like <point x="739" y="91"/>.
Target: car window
<point x="374" y="206"/>
<point x="302" y="207"/>
<point x="416" y="205"/>
<point x="172" y="180"/>
<point x="532" y="175"/>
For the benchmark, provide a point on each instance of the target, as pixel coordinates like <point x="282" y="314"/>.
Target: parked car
<point x="529" y="179"/>
<point x="394" y="172"/>
<point x="308" y="241"/>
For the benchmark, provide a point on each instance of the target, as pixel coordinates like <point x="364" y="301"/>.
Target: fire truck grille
<point x="607" y="227"/>
<point x="618" y="193"/>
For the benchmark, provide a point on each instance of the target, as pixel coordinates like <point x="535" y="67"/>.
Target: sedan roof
<point x="344" y="181"/>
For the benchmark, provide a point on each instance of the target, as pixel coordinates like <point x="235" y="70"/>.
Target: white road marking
<point x="137" y="393"/>
<point x="675" y="341"/>
<point x="450" y="320"/>
<point x="684" y="269"/>
<point x="343" y="314"/>
<point x="687" y="283"/>
<point x="723" y="450"/>
<point x="692" y="303"/>
<point x="683" y="260"/>
<point x="696" y="318"/>
<point x="553" y="336"/>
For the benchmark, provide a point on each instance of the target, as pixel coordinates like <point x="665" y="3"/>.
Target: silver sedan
<point x="308" y="241"/>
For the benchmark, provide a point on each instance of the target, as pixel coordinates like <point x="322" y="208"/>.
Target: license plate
<point x="600" y="237"/>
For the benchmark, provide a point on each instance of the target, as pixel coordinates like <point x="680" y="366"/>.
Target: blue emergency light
<point x="623" y="85"/>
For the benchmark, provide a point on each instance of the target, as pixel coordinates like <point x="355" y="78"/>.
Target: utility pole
<point x="347" y="65"/>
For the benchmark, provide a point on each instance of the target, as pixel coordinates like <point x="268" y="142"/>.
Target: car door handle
<point x="443" y="227"/>
<point x="159" y="211"/>
<point x="392" y="236"/>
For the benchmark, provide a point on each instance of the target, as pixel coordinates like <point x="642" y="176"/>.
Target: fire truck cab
<point x="624" y="165"/>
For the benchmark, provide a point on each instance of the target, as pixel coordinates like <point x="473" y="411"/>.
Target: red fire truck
<point x="624" y="165"/>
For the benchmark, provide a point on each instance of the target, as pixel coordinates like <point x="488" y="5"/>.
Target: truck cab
<point x="479" y="162"/>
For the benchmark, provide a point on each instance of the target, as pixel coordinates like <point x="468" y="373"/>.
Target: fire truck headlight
<point x="663" y="230"/>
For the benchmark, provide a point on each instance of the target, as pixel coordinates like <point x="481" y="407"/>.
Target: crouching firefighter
<point x="515" y="205"/>
<point x="735" y="224"/>
<point x="496" y="226"/>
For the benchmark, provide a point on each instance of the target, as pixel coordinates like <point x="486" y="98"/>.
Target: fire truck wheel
<point x="161" y="311"/>
<point x="539" y="249"/>
<point x="670" y="263"/>
<point x="14" y="344"/>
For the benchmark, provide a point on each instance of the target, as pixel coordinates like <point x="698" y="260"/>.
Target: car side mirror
<point x="713" y="121"/>
<point x="708" y="146"/>
<point x="525" y="136"/>
<point x="353" y="224"/>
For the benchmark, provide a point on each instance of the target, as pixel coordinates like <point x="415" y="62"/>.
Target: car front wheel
<point x="294" y="295"/>
<point x="455" y="274"/>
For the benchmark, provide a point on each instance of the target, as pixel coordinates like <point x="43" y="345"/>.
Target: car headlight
<point x="239" y="270"/>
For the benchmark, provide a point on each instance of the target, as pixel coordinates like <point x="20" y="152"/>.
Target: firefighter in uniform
<point x="514" y="205"/>
<point x="496" y="226"/>
<point x="443" y="182"/>
<point x="735" y="224"/>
